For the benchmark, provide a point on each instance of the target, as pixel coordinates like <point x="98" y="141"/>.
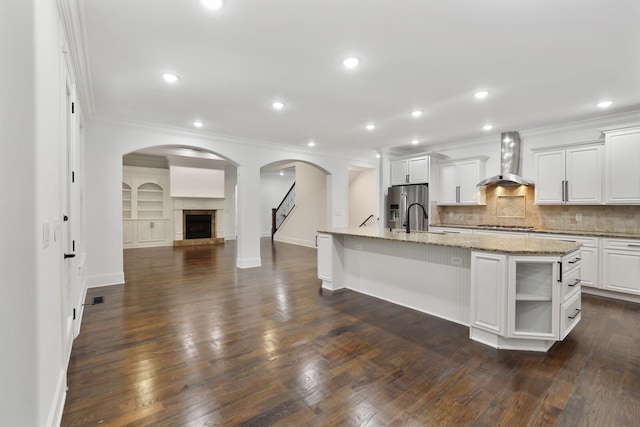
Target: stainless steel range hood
<point x="510" y="159"/>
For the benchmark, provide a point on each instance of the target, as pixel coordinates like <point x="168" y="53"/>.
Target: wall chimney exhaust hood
<point x="510" y="159"/>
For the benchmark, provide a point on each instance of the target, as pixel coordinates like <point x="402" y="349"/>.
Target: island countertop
<point x="476" y="242"/>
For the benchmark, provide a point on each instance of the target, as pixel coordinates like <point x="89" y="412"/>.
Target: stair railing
<point x="279" y="214"/>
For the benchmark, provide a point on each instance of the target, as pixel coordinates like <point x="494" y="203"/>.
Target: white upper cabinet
<point x="622" y="166"/>
<point x="458" y="182"/>
<point x="570" y="175"/>
<point x="410" y="171"/>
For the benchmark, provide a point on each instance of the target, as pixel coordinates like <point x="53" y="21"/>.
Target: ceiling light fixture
<point x="198" y="124"/>
<point x="487" y="127"/>
<point x="170" y="78"/>
<point x="481" y="94"/>
<point x="370" y="126"/>
<point x="416" y="113"/>
<point x="415" y="142"/>
<point x="604" y="104"/>
<point x="277" y="105"/>
<point x="311" y="144"/>
<point x="212" y="4"/>
<point x="351" y="62"/>
<point x="377" y="155"/>
<point x="281" y="173"/>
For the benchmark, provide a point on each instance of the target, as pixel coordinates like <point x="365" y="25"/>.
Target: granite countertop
<point x="546" y="231"/>
<point x="476" y="242"/>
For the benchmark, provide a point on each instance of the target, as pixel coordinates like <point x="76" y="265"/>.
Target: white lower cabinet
<point x="524" y="302"/>
<point x="590" y="253"/>
<point x="621" y="265"/>
<point x="325" y="256"/>
<point x="152" y="231"/>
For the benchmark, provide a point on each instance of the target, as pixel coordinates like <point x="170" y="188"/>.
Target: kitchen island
<point x="512" y="292"/>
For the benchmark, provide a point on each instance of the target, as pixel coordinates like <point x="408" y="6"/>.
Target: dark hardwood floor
<point x="192" y="341"/>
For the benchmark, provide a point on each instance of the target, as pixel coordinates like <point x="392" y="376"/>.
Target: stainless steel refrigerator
<point x="399" y="198"/>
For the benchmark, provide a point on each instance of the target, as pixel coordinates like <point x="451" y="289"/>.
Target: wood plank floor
<point x="192" y="341"/>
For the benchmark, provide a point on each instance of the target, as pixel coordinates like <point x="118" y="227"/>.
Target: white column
<point x="338" y="195"/>
<point x="248" y="214"/>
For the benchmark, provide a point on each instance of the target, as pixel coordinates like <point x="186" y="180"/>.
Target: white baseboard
<point x="248" y="262"/>
<point x="265" y="234"/>
<point x="57" y="405"/>
<point x="104" y="280"/>
<point x="610" y="294"/>
<point x="294" y="241"/>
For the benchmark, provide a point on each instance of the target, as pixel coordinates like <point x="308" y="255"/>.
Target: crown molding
<point x="175" y="130"/>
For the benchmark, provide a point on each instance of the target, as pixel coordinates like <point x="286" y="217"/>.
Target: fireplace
<point x="197" y="226"/>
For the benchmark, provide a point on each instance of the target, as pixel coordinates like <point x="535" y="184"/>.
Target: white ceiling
<point x="543" y="62"/>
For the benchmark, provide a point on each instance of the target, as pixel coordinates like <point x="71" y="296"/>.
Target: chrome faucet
<point x="409" y="218"/>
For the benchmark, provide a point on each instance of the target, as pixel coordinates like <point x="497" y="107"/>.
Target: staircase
<point x="279" y="214"/>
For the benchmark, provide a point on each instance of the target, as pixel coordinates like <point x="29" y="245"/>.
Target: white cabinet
<point x="458" y="182"/>
<point x="621" y="265"/>
<point x="325" y="256"/>
<point x="569" y="175"/>
<point x="622" y="174"/>
<point x="152" y="231"/>
<point x="145" y="207"/>
<point x="410" y="171"/>
<point x="524" y="302"/>
<point x="543" y="297"/>
<point x="590" y="253"/>
<point x="488" y="292"/>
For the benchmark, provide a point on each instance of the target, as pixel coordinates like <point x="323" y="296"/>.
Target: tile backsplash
<point x="505" y="205"/>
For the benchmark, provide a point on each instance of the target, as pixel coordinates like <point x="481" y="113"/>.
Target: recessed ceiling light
<point x="170" y="78"/>
<point x="481" y="94"/>
<point x="278" y="105"/>
<point x="281" y="173"/>
<point x="415" y="142"/>
<point x="370" y="126"/>
<point x="416" y="113"/>
<point x="604" y="104"/>
<point x="198" y="124"/>
<point x="212" y="4"/>
<point x="351" y="62"/>
<point x="311" y="144"/>
<point x="377" y="155"/>
<point x="487" y="127"/>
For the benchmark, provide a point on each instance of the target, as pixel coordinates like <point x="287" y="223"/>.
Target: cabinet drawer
<point x="571" y="261"/>
<point x="570" y="283"/>
<point x="626" y="244"/>
<point x="570" y="315"/>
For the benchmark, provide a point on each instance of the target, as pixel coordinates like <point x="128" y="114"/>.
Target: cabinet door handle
<point x="578" y="310"/>
<point x="69" y="256"/>
<point x="575" y="283"/>
<point x="406" y="178"/>
<point x="457" y="194"/>
<point x="562" y="188"/>
<point x="566" y="191"/>
<point x="633" y="246"/>
<point x="316" y="240"/>
<point x="152" y="225"/>
<point x="575" y="260"/>
<point x="560" y="271"/>
<point x="570" y="241"/>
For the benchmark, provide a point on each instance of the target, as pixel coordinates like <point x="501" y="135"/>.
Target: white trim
<point x="264" y="144"/>
<point x="57" y="405"/>
<point x="294" y="241"/>
<point x="610" y="294"/>
<point x="248" y="262"/>
<point x="104" y="280"/>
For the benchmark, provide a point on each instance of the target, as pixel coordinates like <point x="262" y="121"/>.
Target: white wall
<point x="363" y="198"/>
<point x="33" y="366"/>
<point x="107" y="142"/>
<point x="310" y="213"/>
<point x="273" y="187"/>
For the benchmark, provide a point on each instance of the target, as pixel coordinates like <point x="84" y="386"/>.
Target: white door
<point x="584" y="174"/>
<point x="64" y="228"/>
<point x="448" y="183"/>
<point x="468" y="177"/>
<point x="550" y="177"/>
